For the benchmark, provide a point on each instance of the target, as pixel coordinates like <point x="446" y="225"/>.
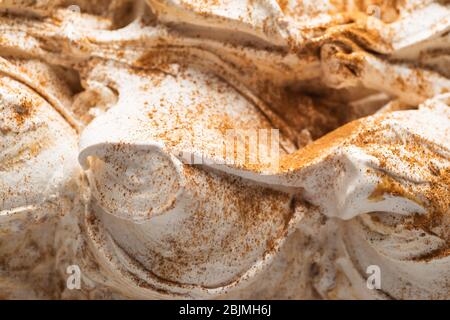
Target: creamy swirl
<point x="154" y="90"/>
<point x="38" y="150"/>
<point x="180" y="229"/>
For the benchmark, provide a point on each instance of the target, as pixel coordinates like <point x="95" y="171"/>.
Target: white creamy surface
<point x="136" y="93"/>
<point x="38" y="169"/>
<point x="206" y="216"/>
<point x="38" y="148"/>
<point x="346" y="174"/>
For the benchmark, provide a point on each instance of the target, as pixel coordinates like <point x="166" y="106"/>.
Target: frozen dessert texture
<point x="38" y="169"/>
<point x="224" y="149"/>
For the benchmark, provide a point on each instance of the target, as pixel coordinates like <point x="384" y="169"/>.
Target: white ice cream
<point x="151" y="92"/>
<point x="38" y="150"/>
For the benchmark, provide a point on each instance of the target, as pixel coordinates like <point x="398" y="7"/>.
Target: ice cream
<point x="356" y="171"/>
<point x="229" y="149"/>
<point x="38" y="149"/>
<point x="411" y="251"/>
<point x="184" y="241"/>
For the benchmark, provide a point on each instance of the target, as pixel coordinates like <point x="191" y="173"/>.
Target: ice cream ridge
<point x="199" y="149"/>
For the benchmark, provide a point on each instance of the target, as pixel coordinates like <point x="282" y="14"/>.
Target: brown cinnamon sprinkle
<point x="390" y="186"/>
<point x="419" y="155"/>
<point x="319" y="148"/>
<point x="23" y="110"/>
